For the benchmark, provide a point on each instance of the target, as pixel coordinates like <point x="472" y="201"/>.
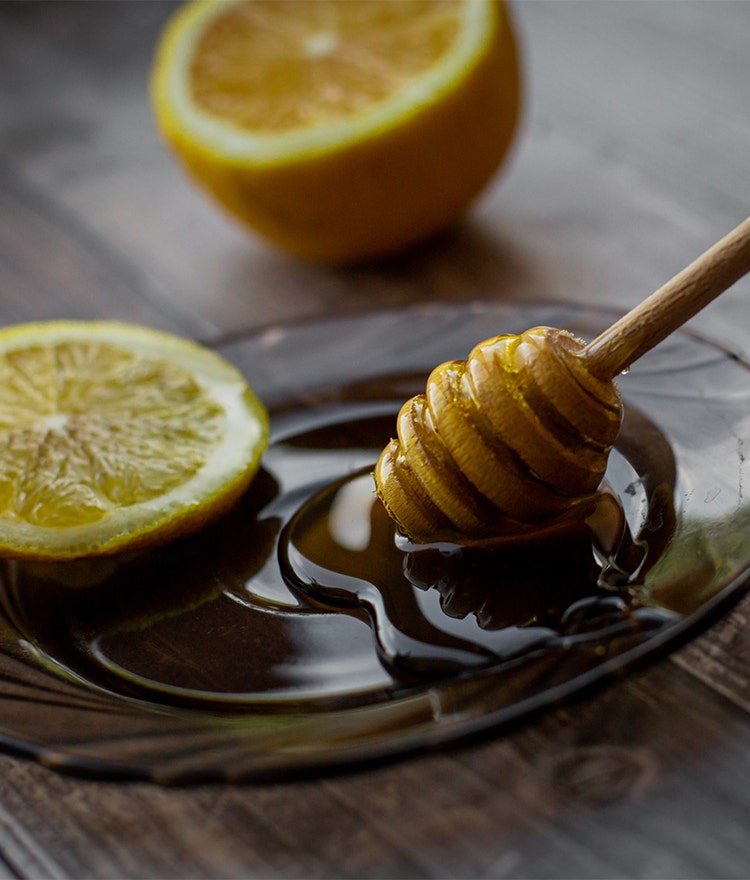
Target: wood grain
<point x="633" y="157"/>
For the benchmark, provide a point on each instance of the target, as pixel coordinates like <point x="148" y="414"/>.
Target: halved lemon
<point x="340" y="129"/>
<point x="114" y="437"/>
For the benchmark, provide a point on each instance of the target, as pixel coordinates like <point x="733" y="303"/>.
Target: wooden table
<point x="634" y="156"/>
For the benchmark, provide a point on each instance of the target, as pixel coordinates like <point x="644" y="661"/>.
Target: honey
<point x="307" y="595"/>
<point x="515" y="436"/>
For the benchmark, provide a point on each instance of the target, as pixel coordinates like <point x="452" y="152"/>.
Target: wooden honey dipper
<point x="520" y="432"/>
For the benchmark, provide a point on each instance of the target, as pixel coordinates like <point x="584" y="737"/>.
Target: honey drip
<point x="442" y="608"/>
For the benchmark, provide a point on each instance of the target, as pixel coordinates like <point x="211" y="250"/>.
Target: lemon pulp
<point x="116" y="436"/>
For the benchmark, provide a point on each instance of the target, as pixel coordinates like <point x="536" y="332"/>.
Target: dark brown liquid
<point x="305" y="592"/>
<point x="442" y="609"/>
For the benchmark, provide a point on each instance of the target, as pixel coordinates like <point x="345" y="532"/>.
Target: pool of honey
<point x="305" y="595"/>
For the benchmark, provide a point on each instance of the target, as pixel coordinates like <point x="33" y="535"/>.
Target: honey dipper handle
<point x="671" y="305"/>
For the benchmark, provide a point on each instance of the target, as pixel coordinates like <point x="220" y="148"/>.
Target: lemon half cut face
<point x="341" y="130"/>
<point x="270" y="81"/>
<point x="114" y="436"/>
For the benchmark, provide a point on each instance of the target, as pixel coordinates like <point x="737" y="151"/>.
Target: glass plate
<point x="200" y="661"/>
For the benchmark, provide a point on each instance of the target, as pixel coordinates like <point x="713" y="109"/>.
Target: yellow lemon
<point x="341" y="130"/>
<point x="114" y="437"/>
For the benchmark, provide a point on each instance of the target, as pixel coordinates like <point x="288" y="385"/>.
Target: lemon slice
<point x="114" y="436"/>
<point x="340" y="129"/>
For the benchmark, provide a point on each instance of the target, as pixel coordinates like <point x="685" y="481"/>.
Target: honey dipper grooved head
<point x="510" y="438"/>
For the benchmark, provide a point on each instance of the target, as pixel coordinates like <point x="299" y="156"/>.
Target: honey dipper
<point x="520" y="432"/>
